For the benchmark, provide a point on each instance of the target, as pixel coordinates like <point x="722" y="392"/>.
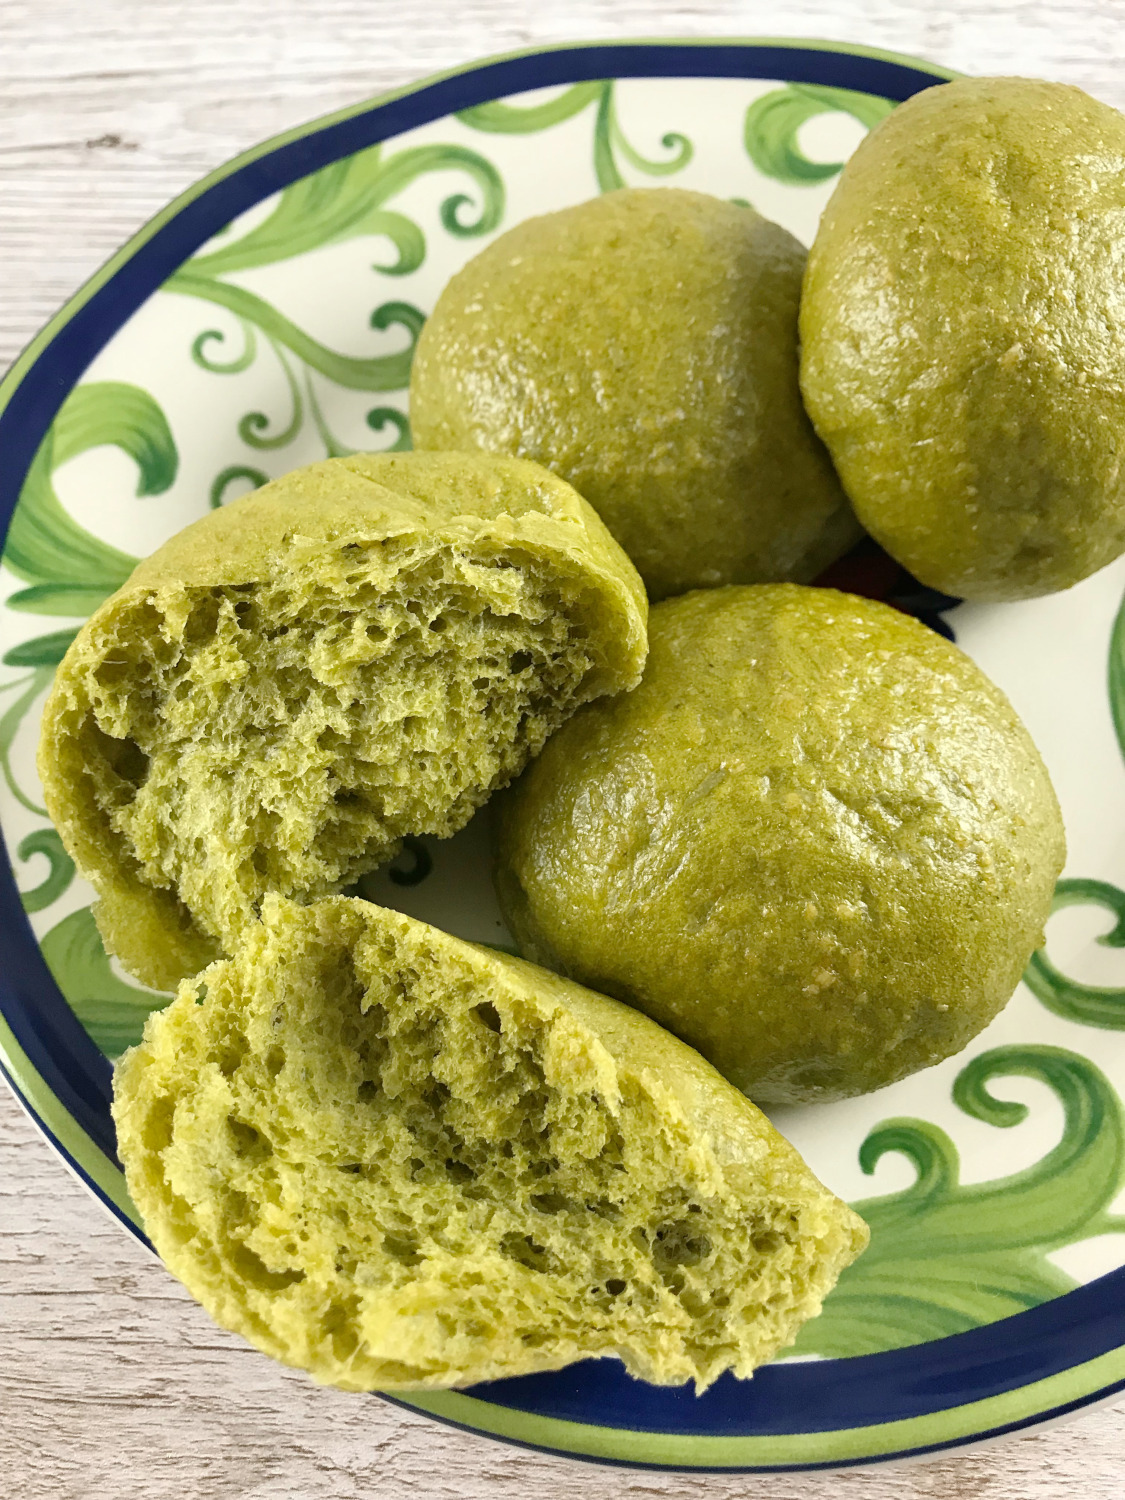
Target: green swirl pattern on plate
<point x="946" y="1256"/>
<point x="60" y="873"/>
<point x="1116" y="676"/>
<point x="112" y="1010"/>
<point x="1089" y="1004"/>
<point x="68" y="570"/>
<point x="610" y="141"/>
<point x="345" y="200"/>
<point x="772" y="123"/>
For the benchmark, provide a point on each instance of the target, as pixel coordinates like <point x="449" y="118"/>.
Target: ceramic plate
<point x="267" y="318"/>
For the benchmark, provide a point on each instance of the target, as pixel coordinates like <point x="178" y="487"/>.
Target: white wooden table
<point x="113" y="1384"/>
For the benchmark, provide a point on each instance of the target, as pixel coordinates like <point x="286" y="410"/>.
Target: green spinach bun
<point x="359" y="651"/>
<point x="816" y="842"/>
<point x="963" y="335"/>
<point x="398" y="1160"/>
<point x="644" y="346"/>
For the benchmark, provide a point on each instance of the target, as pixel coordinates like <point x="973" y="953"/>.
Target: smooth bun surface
<point x="816" y="842"/>
<point x="644" y="346"/>
<point x="963" y="335"/>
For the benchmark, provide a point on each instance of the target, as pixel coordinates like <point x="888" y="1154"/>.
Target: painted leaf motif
<point x="502" y="118"/>
<point x="346" y="198"/>
<point x="343" y="200"/>
<point x="1089" y="1004"/>
<point x="523" y="119"/>
<point x="605" y="166"/>
<point x="773" y="121"/>
<point x="681" y="148"/>
<point x="111" y="1010"/>
<point x="1117" y="675"/>
<point x="947" y="1256"/>
<point x="380" y="417"/>
<point x="413" y="864"/>
<point x="36" y="682"/>
<point x="235" y="363"/>
<point x="230" y="475"/>
<point x="77" y="599"/>
<point x="388" y="372"/>
<point x="47" y="842"/>
<point x="42" y="651"/>
<point x="45" y="545"/>
<point x="255" y="428"/>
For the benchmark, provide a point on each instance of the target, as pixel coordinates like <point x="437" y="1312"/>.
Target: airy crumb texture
<point x="398" y="1160"/>
<point x="362" y="650"/>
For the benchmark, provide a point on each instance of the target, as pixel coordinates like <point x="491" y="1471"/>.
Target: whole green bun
<point x="397" y="1160"/>
<point x="816" y="842"/>
<point x="963" y="335"/>
<point x="644" y="346"/>
<point x="359" y="651"/>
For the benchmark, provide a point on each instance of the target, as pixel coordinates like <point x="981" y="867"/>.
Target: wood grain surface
<point x="113" y="1384"/>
